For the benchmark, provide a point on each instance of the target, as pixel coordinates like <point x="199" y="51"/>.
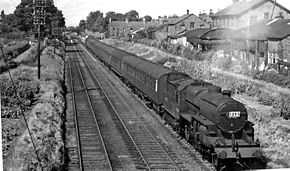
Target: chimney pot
<point x="187" y="12"/>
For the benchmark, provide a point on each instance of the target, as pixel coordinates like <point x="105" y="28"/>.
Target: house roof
<point x="179" y="34"/>
<point x="264" y="30"/>
<point x="218" y="34"/>
<point x="240" y="7"/>
<point x="179" y="19"/>
<point x="197" y="33"/>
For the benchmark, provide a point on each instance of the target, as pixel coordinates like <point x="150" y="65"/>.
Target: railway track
<point x="92" y="153"/>
<point x="147" y="148"/>
<point x="146" y="151"/>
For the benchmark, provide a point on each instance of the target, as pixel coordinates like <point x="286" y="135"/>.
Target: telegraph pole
<point x="39" y="19"/>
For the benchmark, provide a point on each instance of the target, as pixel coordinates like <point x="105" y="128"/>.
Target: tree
<point x="132" y="15"/>
<point x="148" y="18"/>
<point x="24" y="15"/>
<point x="23" y="12"/>
<point x="96" y="21"/>
<point x="83" y="24"/>
<point x="114" y="16"/>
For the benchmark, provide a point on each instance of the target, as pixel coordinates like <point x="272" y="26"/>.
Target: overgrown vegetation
<point x="17" y="95"/>
<point x="43" y="104"/>
<point x="176" y="49"/>
<point x="11" y="51"/>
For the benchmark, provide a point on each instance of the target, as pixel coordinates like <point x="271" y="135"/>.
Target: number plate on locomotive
<point x="234" y="115"/>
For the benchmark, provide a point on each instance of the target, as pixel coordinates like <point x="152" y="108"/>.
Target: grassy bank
<point x="43" y="109"/>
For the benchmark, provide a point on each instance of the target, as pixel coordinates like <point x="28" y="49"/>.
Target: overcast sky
<point x="75" y="10"/>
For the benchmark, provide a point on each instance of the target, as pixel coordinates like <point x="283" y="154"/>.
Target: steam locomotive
<point x="207" y="117"/>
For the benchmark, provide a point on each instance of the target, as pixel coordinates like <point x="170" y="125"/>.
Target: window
<point x="191" y="25"/>
<point x="202" y="26"/>
<point x="253" y="19"/>
<point x="266" y="15"/>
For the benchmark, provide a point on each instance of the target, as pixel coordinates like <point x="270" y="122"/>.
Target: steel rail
<point x="115" y="111"/>
<point x="76" y="123"/>
<point x="94" y="115"/>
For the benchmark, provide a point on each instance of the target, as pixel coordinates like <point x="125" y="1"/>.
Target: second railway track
<point x="92" y="150"/>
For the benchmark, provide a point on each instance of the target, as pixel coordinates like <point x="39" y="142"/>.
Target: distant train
<point x="208" y="118"/>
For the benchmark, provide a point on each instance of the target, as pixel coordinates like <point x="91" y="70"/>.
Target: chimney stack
<point x="187" y="12"/>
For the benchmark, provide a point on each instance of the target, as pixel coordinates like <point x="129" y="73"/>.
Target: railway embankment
<point x="267" y="104"/>
<point x="42" y="103"/>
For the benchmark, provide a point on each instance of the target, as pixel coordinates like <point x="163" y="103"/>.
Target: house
<point x="264" y="43"/>
<point x="119" y="29"/>
<point x="242" y="13"/>
<point x="185" y="22"/>
<point x="179" y="38"/>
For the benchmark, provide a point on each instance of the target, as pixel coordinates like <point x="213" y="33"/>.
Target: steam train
<point x="207" y="117"/>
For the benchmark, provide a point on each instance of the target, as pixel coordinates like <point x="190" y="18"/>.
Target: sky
<point x="75" y="10"/>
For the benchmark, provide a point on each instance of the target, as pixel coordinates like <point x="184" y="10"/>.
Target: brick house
<point x="185" y="22"/>
<point x="119" y="29"/>
<point x="265" y="43"/>
<point x="244" y="13"/>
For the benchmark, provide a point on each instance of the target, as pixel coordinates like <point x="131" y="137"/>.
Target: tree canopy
<point x="96" y="21"/>
<point x="82" y="24"/>
<point x="22" y="18"/>
<point x="132" y="15"/>
<point x="148" y="18"/>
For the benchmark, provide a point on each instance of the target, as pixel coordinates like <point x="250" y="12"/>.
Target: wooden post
<point x="256" y="61"/>
<point x="266" y="53"/>
<point x="38" y="51"/>
<point x="248" y="50"/>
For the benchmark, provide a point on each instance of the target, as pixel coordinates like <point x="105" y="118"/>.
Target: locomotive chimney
<point x="227" y="93"/>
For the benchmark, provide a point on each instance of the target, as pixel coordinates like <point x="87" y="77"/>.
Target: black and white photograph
<point x="107" y="85"/>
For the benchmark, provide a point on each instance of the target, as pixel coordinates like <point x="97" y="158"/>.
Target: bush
<point x="223" y="63"/>
<point x="17" y="98"/>
<point x="273" y="77"/>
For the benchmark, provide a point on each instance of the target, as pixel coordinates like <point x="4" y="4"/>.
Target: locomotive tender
<point x="212" y="121"/>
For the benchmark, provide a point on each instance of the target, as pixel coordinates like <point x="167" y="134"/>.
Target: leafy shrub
<point x="273" y="77"/>
<point x="223" y="63"/>
<point x="17" y="98"/>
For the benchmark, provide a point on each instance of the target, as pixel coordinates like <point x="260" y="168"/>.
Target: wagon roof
<point x="121" y="53"/>
<point x="148" y="67"/>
